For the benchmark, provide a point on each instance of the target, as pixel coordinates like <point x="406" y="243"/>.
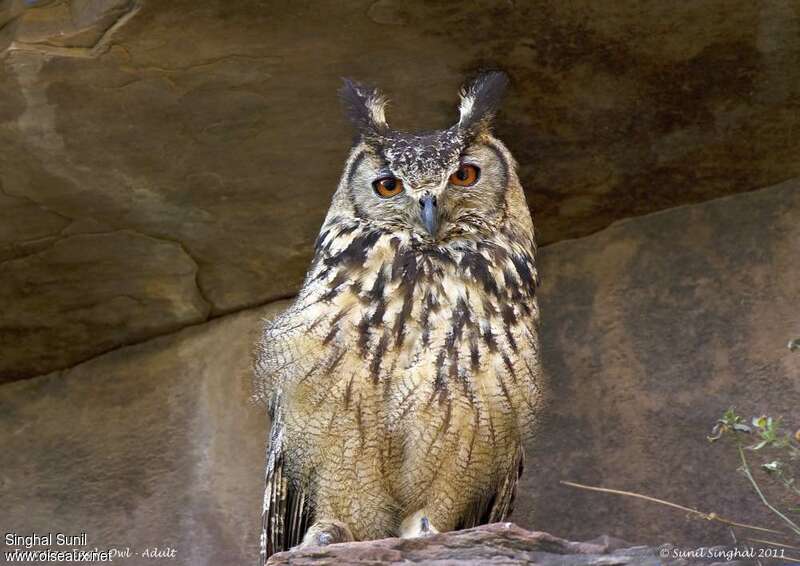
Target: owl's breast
<point x="393" y="352"/>
<point x="418" y="324"/>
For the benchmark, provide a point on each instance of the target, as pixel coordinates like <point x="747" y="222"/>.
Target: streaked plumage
<point x="405" y="377"/>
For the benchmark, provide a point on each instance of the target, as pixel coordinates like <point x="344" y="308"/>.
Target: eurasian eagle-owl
<point x="405" y="377"/>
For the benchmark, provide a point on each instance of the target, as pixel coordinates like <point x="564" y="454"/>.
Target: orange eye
<point x="465" y="176"/>
<point x="388" y="186"/>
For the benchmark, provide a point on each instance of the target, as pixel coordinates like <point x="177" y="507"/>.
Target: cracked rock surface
<point x="214" y="125"/>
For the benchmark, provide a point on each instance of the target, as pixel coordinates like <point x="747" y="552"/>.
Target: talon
<point x="323" y="533"/>
<point x="417" y="525"/>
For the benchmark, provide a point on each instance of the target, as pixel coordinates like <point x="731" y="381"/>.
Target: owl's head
<point x="436" y="185"/>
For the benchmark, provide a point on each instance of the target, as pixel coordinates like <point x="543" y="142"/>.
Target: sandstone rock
<point x="72" y="24"/>
<point x="652" y="328"/>
<point x="93" y="292"/>
<point x="149" y="446"/>
<point x="215" y="123"/>
<point x="499" y="543"/>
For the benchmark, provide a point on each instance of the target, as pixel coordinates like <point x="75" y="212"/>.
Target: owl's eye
<point x="466" y="176"/>
<point x="388" y="186"/>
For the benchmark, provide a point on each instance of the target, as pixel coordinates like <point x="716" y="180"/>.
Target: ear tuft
<point x="364" y="107"/>
<point x="481" y="98"/>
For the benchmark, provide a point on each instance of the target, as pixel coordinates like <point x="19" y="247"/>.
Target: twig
<point x="789" y="483"/>
<point x="749" y="476"/>
<point x="773" y="543"/>
<point x="707" y="516"/>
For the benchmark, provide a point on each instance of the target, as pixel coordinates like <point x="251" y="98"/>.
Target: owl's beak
<point x="429" y="213"/>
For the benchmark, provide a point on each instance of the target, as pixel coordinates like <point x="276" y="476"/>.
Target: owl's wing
<point x="497" y="506"/>
<point x="504" y="500"/>
<point x="286" y="514"/>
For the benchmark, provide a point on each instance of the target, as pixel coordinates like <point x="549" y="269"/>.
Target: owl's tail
<point x="273" y="510"/>
<point x="287" y="510"/>
<point x="262" y="559"/>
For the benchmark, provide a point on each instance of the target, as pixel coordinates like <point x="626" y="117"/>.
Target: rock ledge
<point x="499" y="543"/>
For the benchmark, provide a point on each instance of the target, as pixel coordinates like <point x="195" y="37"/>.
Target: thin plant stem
<point x="707" y="516"/>
<point x="749" y="476"/>
<point x="773" y="543"/>
<point x="788" y="483"/>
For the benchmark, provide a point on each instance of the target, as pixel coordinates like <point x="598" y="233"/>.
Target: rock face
<point x="499" y="543"/>
<point x="150" y="446"/>
<point x="652" y="328"/>
<point x="215" y="125"/>
<point x="73" y="28"/>
<point x="72" y="291"/>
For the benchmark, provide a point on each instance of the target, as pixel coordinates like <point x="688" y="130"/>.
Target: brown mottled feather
<point x="286" y="514"/>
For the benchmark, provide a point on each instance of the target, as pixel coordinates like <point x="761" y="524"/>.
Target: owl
<point x="405" y="379"/>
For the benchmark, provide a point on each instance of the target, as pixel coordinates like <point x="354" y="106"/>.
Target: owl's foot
<point x="323" y="533"/>
<point x="417" y="525"/>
